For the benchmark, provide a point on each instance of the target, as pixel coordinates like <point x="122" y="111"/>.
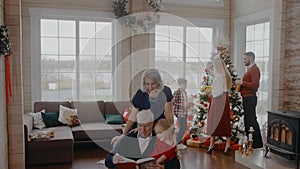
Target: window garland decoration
<point x="6" y="51"/>
<point x="141" y="22"/>
<point x="5" y="45"/>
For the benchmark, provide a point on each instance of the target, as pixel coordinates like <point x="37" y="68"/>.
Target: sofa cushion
<point x="96" y="131"/>
<point x="89" y="111"/>
<point x="38" y="119"/>
<point x="65" y="114"/>
<point x="28" y="122"/>
<point x="116" y="107"/>
<point x="114" y="119"/>
<point x="49" y="106"/>
<point x="51" y="119"/>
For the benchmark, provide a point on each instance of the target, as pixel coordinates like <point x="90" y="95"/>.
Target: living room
<point x="131" y="52"/>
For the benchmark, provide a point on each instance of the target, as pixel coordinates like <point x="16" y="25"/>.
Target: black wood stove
<point x="284" y="134"/>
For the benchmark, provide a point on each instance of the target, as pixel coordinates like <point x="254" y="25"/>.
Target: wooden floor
<point x="87" y="156"/>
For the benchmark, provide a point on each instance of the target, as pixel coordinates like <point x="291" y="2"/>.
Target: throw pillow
<point x="114" y="119"/>
<point x="51" y="119"/>
<point x="74" y="121"/>
<point x="65" y="113"/>
<point x="38" y="119"/>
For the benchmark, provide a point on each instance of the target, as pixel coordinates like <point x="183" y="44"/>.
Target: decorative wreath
<point x="5" y="45"/>
<point x="138" y="23"/>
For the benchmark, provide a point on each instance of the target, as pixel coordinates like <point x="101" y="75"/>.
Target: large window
<point x="257" y="40"/>
<point x="184" y="52"/>
<point x="76" y="59"/>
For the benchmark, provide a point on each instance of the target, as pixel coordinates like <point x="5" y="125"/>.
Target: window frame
<point x="215" y="24"/>
<point x="240" y="25"/>
<point x="36" y="14"/>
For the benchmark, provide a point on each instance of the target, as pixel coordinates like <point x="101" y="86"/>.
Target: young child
<point x="180" y="107"/>
<point x="165" y="143"/>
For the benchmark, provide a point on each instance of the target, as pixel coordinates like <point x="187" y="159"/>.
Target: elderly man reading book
<point x="136" y="145"/>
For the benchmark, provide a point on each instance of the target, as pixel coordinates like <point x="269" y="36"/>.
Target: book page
<point x="127" y="160"/>
<point x="145" y="159"/>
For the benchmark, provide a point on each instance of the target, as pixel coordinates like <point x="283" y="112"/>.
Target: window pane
<point x="67" y="63"/>
<point x="259" y="31"/>
<point x="258" y="48"/>
<point x="66" y="80"/>
<point x="250" y="33"/>
<point x="192" y="34"/>
<point x="104" y="63"/>
<point x="266" y="47"/>
<point x="86" y="29"/>
<point x="267" y="31"/>
<point x="161" y="33"/>
<point x="67" y="28"/>
<point x="59" y="59"/>
<point x="103" y="81"/>
<point x="161" y="49"/>
<point x="49" y="46"/>
<point x="176" y="33"/>
<point x="192" y="49"/>
<point x="50" y="95"/>
<point x="49" y="28"/>
<point x="88" y="95"/>
<point x="49" y="63"/>
<point x="87" y="64"/>
<point x="206" y="35"/>
<point x="249" y="46"/>
<point x="87" y="47"/>
<point x="103" y="30"/>
<point x="67" y="46"/>
<point x="162" y="60"/>
<point x="176" y="49"/>
<point x="49" y="81"/>
<point x="103" y="47"/>
<point x="87" y="81"/>
<point x="205" y="50"/>
<point x="198" y="42"/>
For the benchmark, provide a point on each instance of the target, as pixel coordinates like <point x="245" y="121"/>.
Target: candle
<point x="250" y="137"/>
<point x="240" y="142"/>
<point x="245" y="139"/>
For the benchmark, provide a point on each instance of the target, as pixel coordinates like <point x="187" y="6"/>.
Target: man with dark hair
<point x="249" y="86"/>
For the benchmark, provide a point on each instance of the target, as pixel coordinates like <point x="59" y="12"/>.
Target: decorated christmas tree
<point x="202" y="103"/>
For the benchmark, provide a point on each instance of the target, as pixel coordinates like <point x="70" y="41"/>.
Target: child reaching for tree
<point x="165" y="149"/>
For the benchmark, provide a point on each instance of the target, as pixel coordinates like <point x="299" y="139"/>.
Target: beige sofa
<point x="93" y="128"/>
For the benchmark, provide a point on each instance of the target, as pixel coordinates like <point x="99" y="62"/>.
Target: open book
<point x="139" y="164"/>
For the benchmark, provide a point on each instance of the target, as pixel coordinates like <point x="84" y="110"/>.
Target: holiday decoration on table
<point x="202" y="103"/>
<point x="141" y="22"/>
<point x="5" y="50"/>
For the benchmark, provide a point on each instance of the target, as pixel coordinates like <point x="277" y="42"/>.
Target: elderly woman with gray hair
<point x="153" y="95"/>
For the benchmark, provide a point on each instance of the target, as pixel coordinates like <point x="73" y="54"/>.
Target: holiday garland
<point x="5" y="45"/>
<point x="137" y="23"/>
